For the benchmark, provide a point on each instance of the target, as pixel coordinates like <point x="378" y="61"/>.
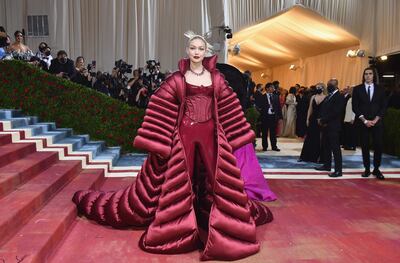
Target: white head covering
<point x="191" y="35"/>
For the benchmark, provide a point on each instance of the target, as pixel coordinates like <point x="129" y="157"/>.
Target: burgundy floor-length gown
<point x="189" y="193"/>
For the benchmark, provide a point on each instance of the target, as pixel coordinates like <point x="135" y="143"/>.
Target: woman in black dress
<point x="302" y="112"/>
<point x="312" y="144"/>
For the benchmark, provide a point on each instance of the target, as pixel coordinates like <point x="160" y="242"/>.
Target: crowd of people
<point x="136" y="91"/>
<point x="325" y="117"/>
<point x="296" y="112"/>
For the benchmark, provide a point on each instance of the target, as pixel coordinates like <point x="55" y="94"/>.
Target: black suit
<point x="270" y="114"/>
<point x="68" y="68"/>
<point x="331" y="122"/>
<point x="362" y="105"/>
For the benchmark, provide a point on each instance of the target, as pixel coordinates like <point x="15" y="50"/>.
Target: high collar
<point x="208" y="62"/>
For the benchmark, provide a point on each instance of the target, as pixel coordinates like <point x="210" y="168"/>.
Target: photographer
<point x="120" y="79"/>
<point x="102" y="83"/>
<point x="82" y="75"/>
<point x="133" y="87"/>
<point x="44" y="54"/>
<point x="62" y="66"/>
<point x="143" y="94"/>
<point x="155" y="76"/>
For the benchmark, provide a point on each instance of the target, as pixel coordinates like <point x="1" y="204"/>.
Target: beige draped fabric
<point x="12" y="15"/>
<point x="134" y="30"/>
<point x="388" y="27"/>
<point x="320" y="68"/>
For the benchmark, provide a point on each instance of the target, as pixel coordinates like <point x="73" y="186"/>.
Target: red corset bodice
<point x="198" y="103"/>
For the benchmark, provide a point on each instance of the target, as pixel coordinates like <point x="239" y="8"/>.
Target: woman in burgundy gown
<point x="189" y="193"/>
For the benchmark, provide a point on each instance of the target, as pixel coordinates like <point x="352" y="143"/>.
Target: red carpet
<point x="315" y="220"/>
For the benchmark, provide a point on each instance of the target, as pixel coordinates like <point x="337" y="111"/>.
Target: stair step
<point x="20" y="205"/>
<point x="15" y="151"/>
<point x="109" y="154"/>
<point x="96" y="147"/>
<point x="21" y="171"/>
<point x="38" y="239"/>
<point x="11" y="113"/>
<point x="76" y="141"/>
<point x="56" y="134"/>
<point x="5" y="139"/>
<point x="20" y="122"/>
<point x="36" y="129"/>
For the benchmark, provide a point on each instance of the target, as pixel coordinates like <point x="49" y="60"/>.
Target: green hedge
<point x="252" y="115"/>
<point x="38" y="93"/>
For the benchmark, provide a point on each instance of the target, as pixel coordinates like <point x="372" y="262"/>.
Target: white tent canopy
<point x="294" y="34"/>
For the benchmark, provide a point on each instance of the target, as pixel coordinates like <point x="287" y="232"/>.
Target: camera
<point x="123" y="67"/>
<point x="91" y="67"/>
<point x="152" y="65"/>
<point x="155" y="76"/>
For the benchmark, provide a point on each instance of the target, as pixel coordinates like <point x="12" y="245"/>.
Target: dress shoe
<point x="378" y="174"/>
<point x="276" y="149"/>
<point x="264" y="149"/>
<point x="322" y="168"/>
<point x="335" y="174"/>
<point x="366" y="173"/>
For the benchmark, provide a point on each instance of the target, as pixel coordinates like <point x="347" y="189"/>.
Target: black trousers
<point x="331" y="144"/>
<point x="269" y="123"/>
<point x="349" y="135"/>
<point x="377" y="142"/>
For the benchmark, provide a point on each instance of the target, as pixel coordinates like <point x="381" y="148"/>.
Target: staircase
<point x="41" y="167"/>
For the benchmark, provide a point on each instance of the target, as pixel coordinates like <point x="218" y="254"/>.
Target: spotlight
<point x="383" y="58"/>
<point x="292" y="67"/>
<point x="228" y="32"/>
<point x="360" y="53"/>
<point x="351" y="53"/>
<point x="235" y="50"/>
<point x="388" y="76"/>
<point x="355" y="53"/>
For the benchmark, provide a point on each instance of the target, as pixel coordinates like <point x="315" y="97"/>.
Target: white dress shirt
<point x="371" y="90"/>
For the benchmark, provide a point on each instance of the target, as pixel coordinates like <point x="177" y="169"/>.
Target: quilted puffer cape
<point x="162" y="196"/>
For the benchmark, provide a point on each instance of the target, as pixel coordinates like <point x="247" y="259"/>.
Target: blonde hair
<point x="192" y="36"/>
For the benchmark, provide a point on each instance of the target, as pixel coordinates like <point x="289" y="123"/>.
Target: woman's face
<point x="196" y="50"/>
<point x="19" y="37"/>
<point x="80" y="63"/>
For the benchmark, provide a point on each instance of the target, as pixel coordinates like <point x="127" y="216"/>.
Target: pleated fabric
<point x="162" y="197"/>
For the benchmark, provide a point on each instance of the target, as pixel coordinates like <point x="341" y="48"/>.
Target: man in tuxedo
<point x="330" y="120"/>
<point x="369" y="105"/>
<point x="270" y="111"/>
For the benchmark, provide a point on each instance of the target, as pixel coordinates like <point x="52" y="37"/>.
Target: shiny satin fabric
<point x="167" y="198"/>
<point x="255" y="184"/>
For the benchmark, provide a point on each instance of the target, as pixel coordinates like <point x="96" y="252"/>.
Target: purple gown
<point x="255" y="184"/>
